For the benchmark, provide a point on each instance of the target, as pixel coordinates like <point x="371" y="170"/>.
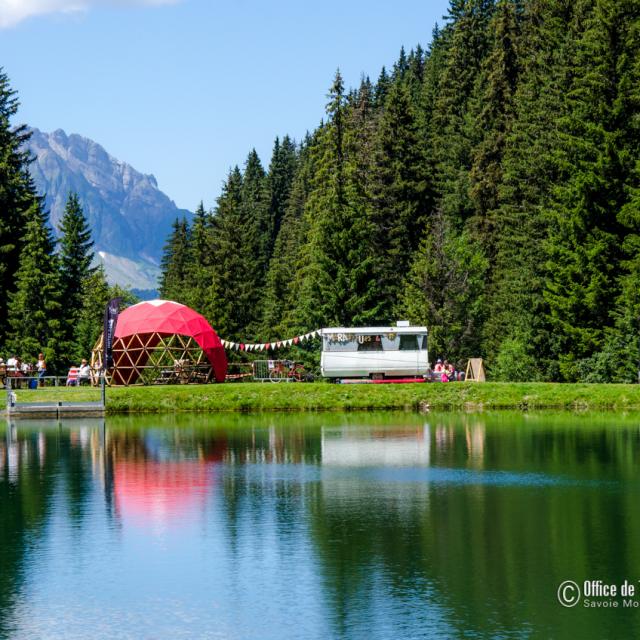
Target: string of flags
<point x="267" y="346"/>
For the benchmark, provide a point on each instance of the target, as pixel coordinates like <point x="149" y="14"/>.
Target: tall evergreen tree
<point x="35" y="308"/>
<point x="96" y="294"/>
<point x="282" y="288"/>
<point x="444" y="291"/>
<point x="231" y="292"/>
<point x="16" y="194"/>
<point x="175" y="261"/>
<point x="466" y="42"/>
<point x="517" y="310"/>
<point x="257" y="230"/>
<point x="75" y="258"/>
<point x="492" y="115"/>
<point x="282" y="170"/>
<point x="621" y="351"/>
<point x="88" y="326"/>
<point x="199" y="261"/>
<point x="402" y="195"/>
<point x="585" y="243"/>
<point x="337" y="284"/>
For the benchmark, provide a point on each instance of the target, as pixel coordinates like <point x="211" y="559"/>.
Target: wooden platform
<point x="56" y="410"/>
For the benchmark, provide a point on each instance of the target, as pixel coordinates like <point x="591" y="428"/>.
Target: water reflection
<point x="353" y="526"/>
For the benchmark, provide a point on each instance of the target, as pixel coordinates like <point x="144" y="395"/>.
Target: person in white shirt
<point x="41" y="367"/>
<point x="84" y="373"/>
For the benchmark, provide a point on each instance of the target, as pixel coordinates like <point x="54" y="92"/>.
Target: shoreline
<point x="256" y="397"/>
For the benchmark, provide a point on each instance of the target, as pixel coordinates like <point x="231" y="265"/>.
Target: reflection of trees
<point x="509" y="507"/>
<point x="250" y="500"/>
<point x="493" y="544"/>
<point x="34" y="465"/>
<point x="366" y="538"/>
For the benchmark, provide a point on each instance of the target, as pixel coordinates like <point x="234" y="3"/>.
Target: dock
<point x="52" y="397"/>
<point x="56" y="410"/>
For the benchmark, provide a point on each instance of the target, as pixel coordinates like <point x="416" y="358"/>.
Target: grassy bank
<point x="329" y="397"/>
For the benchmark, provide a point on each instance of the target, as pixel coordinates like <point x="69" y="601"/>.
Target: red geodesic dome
<point x="156" y="318"/>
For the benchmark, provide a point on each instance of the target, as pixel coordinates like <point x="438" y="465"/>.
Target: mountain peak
<point x="128" y="215"/>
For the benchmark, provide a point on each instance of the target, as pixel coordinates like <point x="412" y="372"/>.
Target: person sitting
<point x="13" y="370"/>
<point x="451" y="372"/>
<point x="84" y="373"/>
<point x="439" y="366"/>
<point x="11" y="364"/>
<point x="17" y="372"/>
<point x="72" y="377"/>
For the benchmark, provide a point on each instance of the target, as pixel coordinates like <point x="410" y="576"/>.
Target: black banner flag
<point x="110" y="321"/>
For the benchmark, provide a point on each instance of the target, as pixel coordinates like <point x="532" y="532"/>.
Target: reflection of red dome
<point x="149" y="491"/>
<point x="139" y="329"/>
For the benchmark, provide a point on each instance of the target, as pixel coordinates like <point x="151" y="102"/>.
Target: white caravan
<point x="375" y="352"/>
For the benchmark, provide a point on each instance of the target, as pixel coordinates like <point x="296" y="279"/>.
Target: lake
<point x="320" y="526"/>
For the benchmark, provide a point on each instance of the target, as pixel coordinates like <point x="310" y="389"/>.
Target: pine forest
<point x="487" y="186"/>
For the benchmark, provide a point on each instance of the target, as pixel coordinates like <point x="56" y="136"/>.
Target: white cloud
<point x="14" y="11"/>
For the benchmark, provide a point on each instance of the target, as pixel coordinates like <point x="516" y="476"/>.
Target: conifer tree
<point x="75" y="258"/>
<point x="282" y="284"/>
<point x="402" y="195"/>
<point x="281" y="173"/>
<point x="35" y="308"/>
<point x="444" y="291"/>
<point x="619" y="360"/>
<point x="381" y="88"/>
<point x="585" y="238"/>
<point x="256" y="234"/>
<point x="325" y="278"/>
<point x="16" y="194"/>
<point x="337" y="282"/>
<point x="96" y="293"/>
<point x="174" y="262"/>
<point x="228" y="307"/>
<point x="256" y="214"/>
<point x="87" y="329"/>
<point x="499" y="170"/>
<point x="199" y="263"/>
<point x="492" y="112"/>
<point x="516" y="309"/>
<point x="466" y="43"/>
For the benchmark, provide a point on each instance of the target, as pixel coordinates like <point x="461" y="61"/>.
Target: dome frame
<point x="162" y="342"/>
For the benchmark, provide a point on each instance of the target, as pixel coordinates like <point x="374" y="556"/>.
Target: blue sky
<point x="184" y="89"/>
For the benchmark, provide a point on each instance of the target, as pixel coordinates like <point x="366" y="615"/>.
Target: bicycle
<point x="290" y="371"/>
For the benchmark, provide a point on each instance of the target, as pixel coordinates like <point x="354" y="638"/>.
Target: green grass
<point x="257" y="396"/>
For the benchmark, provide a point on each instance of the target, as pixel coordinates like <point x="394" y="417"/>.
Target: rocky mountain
<point x="129" y="216"/>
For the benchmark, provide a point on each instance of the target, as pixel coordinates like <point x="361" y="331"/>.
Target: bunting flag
<point x="266" y="346"/>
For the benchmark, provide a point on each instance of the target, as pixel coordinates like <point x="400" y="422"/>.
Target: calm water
<point x="337" y="526"/>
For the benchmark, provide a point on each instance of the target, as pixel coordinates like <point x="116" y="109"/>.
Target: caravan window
<point x="390" y="341"/>
<point x="369" y="343"/>
<point x="340" y="342"/>
<point x="408" y="343"/>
